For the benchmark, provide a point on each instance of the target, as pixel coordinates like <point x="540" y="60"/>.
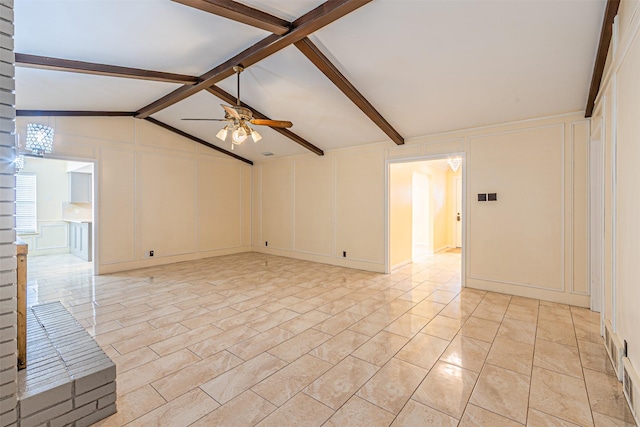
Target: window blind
<point x="26" y="217"/>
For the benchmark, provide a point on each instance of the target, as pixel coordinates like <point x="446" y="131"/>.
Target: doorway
<point x="425" y="210"/>
<point x="54" y="216"/>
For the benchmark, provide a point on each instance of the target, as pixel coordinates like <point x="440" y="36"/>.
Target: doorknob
<point x="458" y="217"/>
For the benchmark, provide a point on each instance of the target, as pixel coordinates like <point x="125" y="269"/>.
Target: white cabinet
<point x="80" y="241"/>
<point x="80" y="184"/>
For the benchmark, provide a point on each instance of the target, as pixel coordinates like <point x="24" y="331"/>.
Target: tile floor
<point x="253" y="339"/>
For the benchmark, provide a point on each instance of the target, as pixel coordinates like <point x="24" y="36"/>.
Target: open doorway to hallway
<point x="425" y="210"/>
<point x="54" y="216"/>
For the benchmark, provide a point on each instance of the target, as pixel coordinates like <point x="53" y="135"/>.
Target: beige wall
<point x="156" y="191"/>
<point x="401" y="213"/>
<point x="618" y="105"/>
<point x="530" y="242"/>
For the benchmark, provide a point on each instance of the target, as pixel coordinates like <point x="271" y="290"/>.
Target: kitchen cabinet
<point x="80" y="186"/>
<point x="80" y="240"/>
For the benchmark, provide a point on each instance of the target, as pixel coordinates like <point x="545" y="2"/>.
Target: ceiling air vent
<point x="267" y="153"/>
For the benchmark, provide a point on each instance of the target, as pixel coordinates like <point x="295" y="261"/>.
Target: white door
<point x="458" y="212"/>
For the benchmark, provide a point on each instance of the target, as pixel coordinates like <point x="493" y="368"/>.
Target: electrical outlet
<point x="150" y="253"/>
<point x="492" y="197"/>
<point x="344" y="254"/>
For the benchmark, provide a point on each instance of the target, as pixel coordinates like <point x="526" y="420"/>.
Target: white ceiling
<point x="427" y="66"/>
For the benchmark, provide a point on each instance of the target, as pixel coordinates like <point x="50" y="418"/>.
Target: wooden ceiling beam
<point x="610" y="13"/>
<point x="196" y="139"/>
<point x="311" y="22"/>
<point x="72" y="113"/>
<point x="323" y="63"/>
<point x="57" y="64"/>
<point x="240" y="13"/>
<point x="230" y="99"/>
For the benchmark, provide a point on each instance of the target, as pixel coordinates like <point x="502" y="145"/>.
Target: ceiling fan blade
<point x="231" y="111"/>
<point x="272" y="123"/>
<point x="206" y="120"/>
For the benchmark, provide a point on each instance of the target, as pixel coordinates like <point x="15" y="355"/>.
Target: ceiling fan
<point x="238" y="117"/>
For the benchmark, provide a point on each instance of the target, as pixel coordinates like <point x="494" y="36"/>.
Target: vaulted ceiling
<point x="411" y="67"/>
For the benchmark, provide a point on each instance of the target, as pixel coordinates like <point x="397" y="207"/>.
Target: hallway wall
<point x="618" y="105"/>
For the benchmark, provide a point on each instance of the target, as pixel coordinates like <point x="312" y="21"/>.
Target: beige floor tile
<point x="480" y="329"/>
<point x="427" y="309"/>
<point x="301" y="410"/>
<point x="588" y="332"/>
<point x="392" y="386"/>
<point x="337" y="385"/>
<point x="339" y="347"/>
<point x="489" y="311"/>
<point x="443" y="297"/>
<point x="178" y="383"/>
<point x="413" y="295"/>
<point x="222" y="341"/>
<point x="300" y="344"/>
<point x="235" y="381"/>
<point x="517" y="330"/>
<point x="208" y="318"/>
<point x="379" y="349"/>
<point x="459" y="309"/>
<point x="407" y="325"/>
<point x="373" y="323"/>
<point x="366" y="307"/>
<point x="523" y="313"/>
<point x="559" y="332"/>
<point x="135" y="343"/>
<point x="540" y="419"/>
<point x="260" y="343"/>
<point x="557" y="357"/>
<point x="185" y="339"/>
<point x="124" y="333"/>
<point x="272" y="320"/>
<point x="447" y="388"/>
<point x="525" y="302"/>
<point x="423" y="350"/>
<point x="240" y="319"/>
<point x="133" y="405"/>
<point x="502" y="391"/>
<point x="147" y="315"/>
<point x="602" y="420"/>
<point x="560" y="395"/>
<point x="246" y="409"/>
<point x="606" y="395"/>
<point x="594" y="356"/>
<point x="358" y="412"/>
<point x="134" y="359"/>
<point x="182" y="411"/>
<point x="443" y="327"/>
<point x="555" y="314"/>
<point x="181" y="315"/>
<point x="512" y="355"/>
<point x="146" y="374"/>
<point x="337" y="306"/>
<point x="304" y="321"/>
<point x="467" y="353"/>
<point x="416" y="414"/>
<point x="338" y="323"/>
<point x="476" y="416"/>
<point x="287" y="382"/>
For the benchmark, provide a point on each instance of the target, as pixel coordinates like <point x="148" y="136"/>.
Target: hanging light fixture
<point x="19" y="162"/>
<point x="39" y="139"/>
<point x="454" y="163"/>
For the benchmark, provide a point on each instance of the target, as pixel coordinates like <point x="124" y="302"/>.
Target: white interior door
<point x="458" y="212"/>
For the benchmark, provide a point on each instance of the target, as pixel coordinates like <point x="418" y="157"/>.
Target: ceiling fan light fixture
<point x="255" y="135"/>
<point x="239" y="135"/>
<point x="222" y="133"/>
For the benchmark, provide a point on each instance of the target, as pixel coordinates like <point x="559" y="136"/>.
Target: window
<point x="26" y="221"/>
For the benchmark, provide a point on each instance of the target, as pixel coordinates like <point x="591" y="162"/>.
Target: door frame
<point x="596" y="217"/>
<point x="387" y="189"/>
<point x="456" y="180"/>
